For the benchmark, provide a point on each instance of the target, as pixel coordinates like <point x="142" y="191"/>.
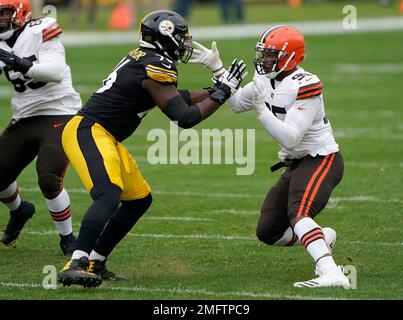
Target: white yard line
<point x="324" y="27"/>
<point x="358" y="198"/>
<point x="213" y="237"/>
<point x="181" y="291"/>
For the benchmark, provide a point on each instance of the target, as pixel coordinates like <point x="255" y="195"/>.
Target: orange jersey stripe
<point x="52" y="34"/>
<point x="308" y="188"/>
<point x="310" y="94"/>
<point x="315" y="190"/>
<point x="310" y="87"/>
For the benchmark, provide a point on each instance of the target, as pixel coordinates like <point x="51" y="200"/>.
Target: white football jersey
<point x="33" y="98"/>
<point x="297" y="101"/>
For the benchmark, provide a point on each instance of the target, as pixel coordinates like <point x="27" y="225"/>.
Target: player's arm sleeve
<point x="241" y="101"/>
<point x="178" y="110"/>
<point x="296" y="123"/>
<point x="51" y="64"/>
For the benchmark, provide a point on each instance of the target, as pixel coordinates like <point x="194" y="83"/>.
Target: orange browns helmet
<point x="286" y="43"/>
<point x="21" y="15"/>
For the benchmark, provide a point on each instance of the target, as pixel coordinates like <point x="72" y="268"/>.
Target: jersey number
<point x="108" y="82"/>
<point x="21" y="84"/>
<point x="276" y="110"/>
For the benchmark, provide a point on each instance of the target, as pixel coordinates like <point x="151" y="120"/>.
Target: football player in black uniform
<point x="145" y="78"/>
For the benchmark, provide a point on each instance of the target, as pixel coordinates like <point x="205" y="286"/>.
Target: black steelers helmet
<point x="168" y="32"/>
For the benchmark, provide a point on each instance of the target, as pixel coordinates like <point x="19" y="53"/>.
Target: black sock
<point x="106" y="200"/>
<point x="122" y="221"/>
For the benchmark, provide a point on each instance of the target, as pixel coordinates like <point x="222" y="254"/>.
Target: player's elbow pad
<point x="179" y="111"/>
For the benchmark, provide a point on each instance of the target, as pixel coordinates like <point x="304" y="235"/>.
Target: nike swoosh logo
<point x="300" y="108"/>
<point x="307" y="79"/>
<point x="167" y="66"/>
<point x="56" y="125"/>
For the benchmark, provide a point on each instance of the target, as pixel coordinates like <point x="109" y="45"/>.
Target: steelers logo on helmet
<point x="166" y="27"/>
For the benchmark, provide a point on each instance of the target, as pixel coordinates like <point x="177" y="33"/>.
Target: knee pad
<point x="50" y="184"/>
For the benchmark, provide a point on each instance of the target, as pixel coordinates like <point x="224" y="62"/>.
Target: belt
<point x="290" y="163"/>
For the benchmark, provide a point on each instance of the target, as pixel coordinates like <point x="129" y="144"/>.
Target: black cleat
<point x="75" y="272"/>
<point x="17" y="220"/>
<point x="68" y="244"/>
<point x="98" y="267"/>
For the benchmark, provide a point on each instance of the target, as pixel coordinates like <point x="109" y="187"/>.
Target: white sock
<point x="312" y="238"/>
<point x="59" y="209"/>
<point x="325" y="264"/>
<point x="11" y="196"/>
<point x="96" y="256"/>
<point x="288" y="239"/>
<point x="77" y="254"/>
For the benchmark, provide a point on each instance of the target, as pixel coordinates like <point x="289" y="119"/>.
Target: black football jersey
<point x="121" y="103"/>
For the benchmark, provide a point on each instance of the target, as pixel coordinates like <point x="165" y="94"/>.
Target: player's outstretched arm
<point x="178" y="108"/>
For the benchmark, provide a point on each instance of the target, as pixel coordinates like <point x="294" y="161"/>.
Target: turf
<point x="212" y="252"/>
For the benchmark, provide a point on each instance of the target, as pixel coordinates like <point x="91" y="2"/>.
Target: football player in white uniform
<point x="289" y="104"/>
<point x="33" y="60"/>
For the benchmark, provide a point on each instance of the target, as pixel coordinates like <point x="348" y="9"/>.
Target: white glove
<point x="209" y="58"/>
<point x="259" y="94"/>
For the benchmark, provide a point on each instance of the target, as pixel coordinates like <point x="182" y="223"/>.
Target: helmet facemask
<point x="263" y="52"/>
<point x="7" y="15"/>
<point x="180" y="49"/>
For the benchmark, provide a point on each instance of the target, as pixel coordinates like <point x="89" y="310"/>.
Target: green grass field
<point x="198" y="239"/>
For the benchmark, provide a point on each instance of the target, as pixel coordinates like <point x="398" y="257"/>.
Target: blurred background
<point x="125" y="15"/>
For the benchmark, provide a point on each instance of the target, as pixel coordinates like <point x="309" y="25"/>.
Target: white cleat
<point x="333" y="278"/>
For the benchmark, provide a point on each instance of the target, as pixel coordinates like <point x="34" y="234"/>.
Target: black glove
<point x="15" y="63"/>
<point x="230" y="81"/>
<point x="220" y="94"/>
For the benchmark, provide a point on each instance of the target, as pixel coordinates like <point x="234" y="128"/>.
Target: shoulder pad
<point x="160" y="68"/>
<point x="309" y="85"/>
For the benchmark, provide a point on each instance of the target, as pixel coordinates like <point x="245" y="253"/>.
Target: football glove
<point x="209" y="58"/>
<point x="230" y="82"/>
<point x="259" y="94"/>
<point x="14" y="62"/>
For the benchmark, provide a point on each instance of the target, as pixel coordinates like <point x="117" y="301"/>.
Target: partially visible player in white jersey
<point x="32" y="58"/>
<point x="289" y="104"/>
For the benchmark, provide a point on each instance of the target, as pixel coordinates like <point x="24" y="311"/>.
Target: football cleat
<point x="17" y="220"/>
<point x="98" y="267"/>
<point x="332" y="278"/>
<point x="75" y="272"/>
<point x="68" y="244"/>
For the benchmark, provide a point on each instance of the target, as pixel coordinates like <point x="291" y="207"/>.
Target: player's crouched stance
<point x="145" y="78"/>
<point x="289" y="104"/>
<point x="33" y="61"/>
